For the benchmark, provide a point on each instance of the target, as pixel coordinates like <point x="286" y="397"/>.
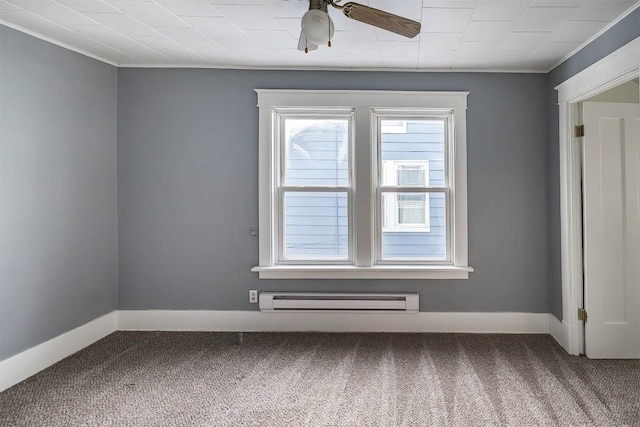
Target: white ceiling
<point x="518" y="35"/>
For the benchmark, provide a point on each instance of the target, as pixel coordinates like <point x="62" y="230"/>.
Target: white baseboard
<point x="255" y="321"/>
<point x="23" y="365"/>
<point x="559" y="330"/>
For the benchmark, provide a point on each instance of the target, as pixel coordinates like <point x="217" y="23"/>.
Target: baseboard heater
<point x="308" y="301"/>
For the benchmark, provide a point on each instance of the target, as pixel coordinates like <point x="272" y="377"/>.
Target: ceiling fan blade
<point x="304" y="44"/>
<point x="381" y="19"/>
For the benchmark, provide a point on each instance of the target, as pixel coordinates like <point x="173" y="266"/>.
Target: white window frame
<point x="365" y="105"/>
<point x="391" y="168"/>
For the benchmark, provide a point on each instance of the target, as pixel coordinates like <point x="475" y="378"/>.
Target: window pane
<point x="412" y="234"/>
<point x="422" y="143"/>
<point x="411" y="175"/>
<point x="316" y="151"/>
<point x="411" y="209"/>
<point x="315" y="225"/>
<point x="405" y="211"/>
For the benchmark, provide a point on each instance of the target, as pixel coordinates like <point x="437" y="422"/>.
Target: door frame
<point x="618" y="67"/>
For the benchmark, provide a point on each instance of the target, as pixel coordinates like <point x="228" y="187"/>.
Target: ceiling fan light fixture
<point x="317" y="26"/>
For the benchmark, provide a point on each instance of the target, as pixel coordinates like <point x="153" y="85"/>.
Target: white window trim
<point x="363" y="103"/>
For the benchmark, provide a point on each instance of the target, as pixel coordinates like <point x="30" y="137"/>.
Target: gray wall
<point x="58" y="213"/>
<point x="188" y="188"/>
<point x="617" y="36"/>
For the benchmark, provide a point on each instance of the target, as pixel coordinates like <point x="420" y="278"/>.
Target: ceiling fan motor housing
<point x="318" y="4"/>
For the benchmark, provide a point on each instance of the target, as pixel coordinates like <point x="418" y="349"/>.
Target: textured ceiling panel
<point x="509" y="35"/>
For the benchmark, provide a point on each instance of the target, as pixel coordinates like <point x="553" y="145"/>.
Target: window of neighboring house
<point x="394" y="126"/>
<point x="405" y="212"/>
<point x="361" y="185"/>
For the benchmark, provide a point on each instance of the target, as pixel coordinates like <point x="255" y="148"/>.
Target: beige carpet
<point x="206" y="379"/>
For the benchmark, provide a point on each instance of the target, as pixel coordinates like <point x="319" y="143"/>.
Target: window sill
<point x="353" y="272"/>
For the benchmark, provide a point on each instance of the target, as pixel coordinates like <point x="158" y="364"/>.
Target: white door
<point x="611" y="191"/>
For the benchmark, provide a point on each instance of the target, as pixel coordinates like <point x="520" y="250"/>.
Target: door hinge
<point x="578" y="131"/>
<point x="582" y="315"/>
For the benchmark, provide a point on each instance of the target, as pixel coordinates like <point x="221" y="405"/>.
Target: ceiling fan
<point x="317" y="26"/>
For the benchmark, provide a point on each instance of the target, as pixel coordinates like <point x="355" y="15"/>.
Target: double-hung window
<point x="359" y="184"/>
<point x="314" y="186"/>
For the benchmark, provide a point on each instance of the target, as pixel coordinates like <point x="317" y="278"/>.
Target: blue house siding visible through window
<point x="423" y="140"/>
<point x="316" y="224"/>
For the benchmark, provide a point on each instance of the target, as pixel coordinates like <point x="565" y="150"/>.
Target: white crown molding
<point x="57" y="43"/>
<point x="595" y="36"/>
<point x="351" y="69"/>
<point x="23" y="365"/>
<point x="256" y="321"/>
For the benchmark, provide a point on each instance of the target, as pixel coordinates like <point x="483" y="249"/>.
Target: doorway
<point x="605" y="82"/>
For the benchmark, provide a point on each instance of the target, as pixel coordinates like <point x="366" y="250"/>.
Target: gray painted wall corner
<point x="58" y="197"/>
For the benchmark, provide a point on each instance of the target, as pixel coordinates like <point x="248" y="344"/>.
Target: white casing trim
<point x="331" y="321"/>
<point x="612" y="70"/>
<point x="362" y="98"/>
<point x="23" y="365"/>
<point x="363" y="103"/>
<point x="616" y="68"/>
